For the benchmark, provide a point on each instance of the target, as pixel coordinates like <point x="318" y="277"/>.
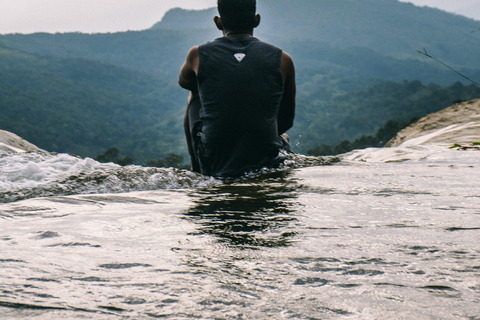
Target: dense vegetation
<point x="329" y="117"/>
<point x="356" y="60"/>
<point x="83" y="107"/>
<point x="387" y="132"/>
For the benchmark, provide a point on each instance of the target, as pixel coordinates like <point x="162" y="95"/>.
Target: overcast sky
<point x="90" y="16"/>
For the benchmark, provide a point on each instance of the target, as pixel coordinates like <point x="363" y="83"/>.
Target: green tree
<point x="343" y="147"/>
<point x="108" y="156"/>
<point x="171" y="160"/>
<point x="174" y="160"/>
<point x="323" y="150"/>
<point x="111" y="155"/>
<point x="159" y="163"/>
<point x="365" y="142"/>
<point x="124" y="161"/>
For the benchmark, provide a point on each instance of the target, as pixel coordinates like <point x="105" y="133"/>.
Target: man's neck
<point x="238" y="34"/>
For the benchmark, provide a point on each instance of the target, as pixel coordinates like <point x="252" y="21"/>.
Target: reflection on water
<point x="249" y="214"/>
<point x="350" y="241"/>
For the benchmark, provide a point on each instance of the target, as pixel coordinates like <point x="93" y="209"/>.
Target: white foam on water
<point x="5" y="148"/>
<point x="33" y="174"/>
<point x="355" y="240"/>
<point x="383" y="234"/>
<point x="28" y="170"/>
<point x="25" y="174"/>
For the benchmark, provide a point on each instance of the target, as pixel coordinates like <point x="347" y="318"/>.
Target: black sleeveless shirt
<point x="240" y="87"/>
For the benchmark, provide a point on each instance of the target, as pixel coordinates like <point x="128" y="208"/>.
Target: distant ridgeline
<point x="357" y="67"/>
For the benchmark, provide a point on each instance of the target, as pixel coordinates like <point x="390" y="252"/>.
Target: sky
<point x="101" y="16"/>
<point x="87" y="16"/>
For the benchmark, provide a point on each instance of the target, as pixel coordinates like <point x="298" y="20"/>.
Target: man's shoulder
<point x="269" y="47"/>
<point x="192" y="53"/>
<point x="213" y="42"/>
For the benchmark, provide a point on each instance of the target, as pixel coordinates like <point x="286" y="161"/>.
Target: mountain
<point x="84" y="106"/>
<point x="332" y="117"/>
<point x="83" y="93"/>
<point x="323" y="35"/>
<point x="181" y="19"/>
<point x="389" y="27"/>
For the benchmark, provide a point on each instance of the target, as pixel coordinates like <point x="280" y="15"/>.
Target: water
<point x="383" y="234"/>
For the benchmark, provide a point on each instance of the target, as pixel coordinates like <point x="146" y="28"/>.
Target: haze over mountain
<point x="101" y="16"/>
<point x="83" y="93"/>
<point x="468" y="8"/>
<point x="389" y="27"/>
<point x="313" y="31"/>
<point x="472" y="11"/>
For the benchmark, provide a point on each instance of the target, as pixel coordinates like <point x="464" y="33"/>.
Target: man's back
<point x="240" y="88"/>
<point x="242" y="96"/>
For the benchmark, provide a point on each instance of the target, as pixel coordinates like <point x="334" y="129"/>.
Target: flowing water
<point x="383" y="234"/>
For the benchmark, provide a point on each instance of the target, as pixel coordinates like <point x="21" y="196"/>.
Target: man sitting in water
<point x="242" y="98"/>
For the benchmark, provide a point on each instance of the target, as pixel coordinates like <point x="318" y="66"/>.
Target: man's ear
<point x="218" y="22"/>
<point x="257" y="20"/>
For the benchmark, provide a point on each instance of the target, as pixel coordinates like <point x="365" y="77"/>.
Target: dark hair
<point x="237" y="14"/>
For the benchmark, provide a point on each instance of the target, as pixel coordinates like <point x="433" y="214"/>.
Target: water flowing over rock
<point x="459" y="124"/>
<point x="28" y="171"/>
<point x="437" y="137"/>
<point x="360" y="238"/>
<point x="10" y="142"/>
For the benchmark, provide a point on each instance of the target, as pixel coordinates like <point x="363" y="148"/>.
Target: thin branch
<point x="427" y="55"/>
<point x="476" y="30"/>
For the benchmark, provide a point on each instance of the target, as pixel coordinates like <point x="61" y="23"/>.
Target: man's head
<point x="238" y="15"/>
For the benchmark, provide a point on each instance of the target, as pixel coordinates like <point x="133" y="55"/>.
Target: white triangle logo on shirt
<point x="239" y="56"/>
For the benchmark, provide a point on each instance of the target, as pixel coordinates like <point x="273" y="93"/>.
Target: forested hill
<point x="82" y="93"/>
<point x="367" y="38"/>
<point x="390" y="27"/>
<point x="82" y="106"/>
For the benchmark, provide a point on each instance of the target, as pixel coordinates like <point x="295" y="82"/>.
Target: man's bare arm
<point x="287" y="107"/>
<point x="188" y="79"/>
<point x="188" y="73"/>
